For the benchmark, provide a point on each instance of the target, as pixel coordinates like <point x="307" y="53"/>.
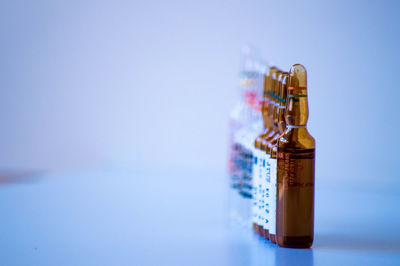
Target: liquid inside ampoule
<point x="296" y="162"/>
<point x="266" y="184"/>
<point x="280" y="123"/>
<point x="259" y="169"/>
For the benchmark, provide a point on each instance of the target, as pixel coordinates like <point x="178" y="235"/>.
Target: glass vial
<point x="280" y="123"/>
<point x="296" y="160"/>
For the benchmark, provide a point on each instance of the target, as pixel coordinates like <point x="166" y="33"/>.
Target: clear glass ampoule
<point x="296" y="162"/>
<point x="240" y="120"/>
<point x="252" y="130"/>
<point x="272" y="150"/>
<point x="264" y="142"/>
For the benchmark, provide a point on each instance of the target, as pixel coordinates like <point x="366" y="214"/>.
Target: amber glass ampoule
<point x="257" y="220"/>
<point x="280" y="105"/>
<point x="296" y="160"/>
<point x="276" y="83"/>
<point x="277" y="100"/>
<point x="264" y="142"/>
<point x="272" y="150"/>
<point x="272" y="108"/>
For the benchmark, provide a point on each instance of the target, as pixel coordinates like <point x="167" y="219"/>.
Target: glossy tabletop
<point x="173" y="217"/>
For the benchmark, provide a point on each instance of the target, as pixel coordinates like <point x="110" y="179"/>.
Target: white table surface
<point x="171" y="217"/>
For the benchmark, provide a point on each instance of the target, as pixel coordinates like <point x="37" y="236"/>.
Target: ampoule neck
<point x="297" y="103"/>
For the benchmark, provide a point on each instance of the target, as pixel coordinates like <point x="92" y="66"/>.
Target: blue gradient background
<point x="89" y="83"/>
<point x="148" y="86"/>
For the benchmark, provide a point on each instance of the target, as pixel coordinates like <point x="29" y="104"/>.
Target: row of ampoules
<point x="264" y="157"/>
<point x="278" y="168"/>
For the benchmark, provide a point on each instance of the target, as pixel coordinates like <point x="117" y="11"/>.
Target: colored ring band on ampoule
<point x="295" y="96"/>
<point x="296" y="126"/>
<point x="297" y="88"/>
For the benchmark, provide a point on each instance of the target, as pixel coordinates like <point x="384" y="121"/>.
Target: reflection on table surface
<point x="161" y="217"/>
